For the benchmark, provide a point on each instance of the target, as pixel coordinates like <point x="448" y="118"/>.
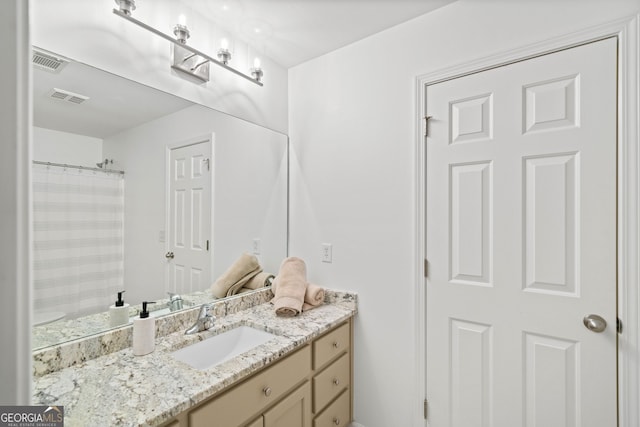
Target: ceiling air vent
<point x="48" y="62"/>
<point x="65" y="95"/>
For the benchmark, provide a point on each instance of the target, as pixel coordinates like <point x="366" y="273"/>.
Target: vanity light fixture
<point x="223" y="53"/>
<point x="186" y="58"/>
<point x="256" y="71"/>
<point x="126" y="6"/>
<point x="181" y="31"/>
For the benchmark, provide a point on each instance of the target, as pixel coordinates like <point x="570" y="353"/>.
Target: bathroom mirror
<point x="97" y="231"/>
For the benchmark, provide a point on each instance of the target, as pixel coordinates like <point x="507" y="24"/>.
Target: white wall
<point x="352" y="116"/>
<point x="68" y="148"/>
<point x="249" y="193"/>
<point x="88" y="32"/>
<point x="15" y="158"/>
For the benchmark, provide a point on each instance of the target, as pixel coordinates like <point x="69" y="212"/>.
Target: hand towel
<point x="290" y="286"/>
<point x="260" y="280"/>
<point x="243" y="269"/>
<point x="313" y="297"/>
<point x="235" y="288"/>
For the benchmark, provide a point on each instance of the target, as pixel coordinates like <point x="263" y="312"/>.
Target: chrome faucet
<point x="204" y="321"/>
<point x="175" y="302"/>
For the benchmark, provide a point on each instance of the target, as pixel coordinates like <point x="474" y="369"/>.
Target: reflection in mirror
<point x="199" y="188"/>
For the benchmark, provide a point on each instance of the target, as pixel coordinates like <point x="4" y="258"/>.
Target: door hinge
<point x="426" y="267"/>
<point x="208" y="162"/>
<point x="619" y="325"/>
<point x="425" y="409"/>
<point x="207" y="245"/>
<point x="426" y="125"/>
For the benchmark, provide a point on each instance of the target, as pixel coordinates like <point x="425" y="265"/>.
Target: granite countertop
<point x="125" y="390"/>
<point x="51" y="334"/>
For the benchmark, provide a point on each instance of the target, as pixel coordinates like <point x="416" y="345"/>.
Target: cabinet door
<point x="293" y="411"/>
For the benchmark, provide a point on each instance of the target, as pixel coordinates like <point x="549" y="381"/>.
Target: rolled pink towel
<point x="239" y="273"/>
<point x="313" y="297"/>
<point x="290" y="286"/>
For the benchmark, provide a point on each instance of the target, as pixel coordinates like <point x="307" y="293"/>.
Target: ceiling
<point x="288" y="31"/>
<point x="294" y="31"/>
<point x="114" y="105"/>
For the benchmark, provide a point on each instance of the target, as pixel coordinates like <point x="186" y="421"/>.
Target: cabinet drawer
<point x="248" y="399"/>
<point x="330" y="382"/>
<point x="331" y="345"/>
<point x="337" y="414"/>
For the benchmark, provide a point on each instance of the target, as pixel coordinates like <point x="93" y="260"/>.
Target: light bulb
<point x="224" y="44"/>
<point x="256" y="63"/>
<point x="182" y="20"/>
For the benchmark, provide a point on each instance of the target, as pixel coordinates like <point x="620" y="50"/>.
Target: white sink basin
<point x="222" y="347"/>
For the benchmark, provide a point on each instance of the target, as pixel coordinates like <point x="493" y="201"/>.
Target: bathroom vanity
<point x="312" y="383"/>
<point x="302" y="377"/>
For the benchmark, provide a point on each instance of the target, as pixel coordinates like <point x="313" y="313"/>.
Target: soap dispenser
<point x="119" y="312"/>
<point x="144" y="332"/>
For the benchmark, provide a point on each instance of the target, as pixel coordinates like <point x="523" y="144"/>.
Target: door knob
<point x="594" y="323"/>
<point x="169" y="255"/>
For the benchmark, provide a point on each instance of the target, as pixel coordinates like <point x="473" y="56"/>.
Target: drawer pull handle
<point x="336" y="421"/>
<point x="266" y="391"/>
<point x="336" y="344"/>
<point x="336" y="381"/>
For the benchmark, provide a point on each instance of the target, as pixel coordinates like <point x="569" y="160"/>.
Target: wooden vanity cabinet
<point x="309" y="388"/>
<point x="293" y="411"/>
<point x="332" y="378"/>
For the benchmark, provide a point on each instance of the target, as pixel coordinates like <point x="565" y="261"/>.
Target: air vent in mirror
<point x="48" y="62"/>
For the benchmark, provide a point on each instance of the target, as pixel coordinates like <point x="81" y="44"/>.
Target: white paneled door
<point x="188" y="253"/>
<point x="521" y="243"/>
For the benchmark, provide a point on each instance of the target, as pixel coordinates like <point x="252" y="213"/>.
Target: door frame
<point x="167" y="197"/>
<point x="627" y="31"/>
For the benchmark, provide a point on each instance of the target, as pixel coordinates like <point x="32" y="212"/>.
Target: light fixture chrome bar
<point x="185" y="46"/>
<point x="188" y="57"/>
<point x="62" y="165"/>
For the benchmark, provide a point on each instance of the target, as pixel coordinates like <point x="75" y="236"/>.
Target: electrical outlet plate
<point x="327" y="252"/>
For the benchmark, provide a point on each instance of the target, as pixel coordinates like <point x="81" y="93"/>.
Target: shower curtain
<point x="78" y="231"/>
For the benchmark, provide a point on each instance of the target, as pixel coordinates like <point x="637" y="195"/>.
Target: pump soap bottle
<point x="144" y="332"/>
<point x="119" y="312"/>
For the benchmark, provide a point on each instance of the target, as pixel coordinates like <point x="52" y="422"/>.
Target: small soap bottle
<point x="144" y="332"/>
<point x="119" y="312"/>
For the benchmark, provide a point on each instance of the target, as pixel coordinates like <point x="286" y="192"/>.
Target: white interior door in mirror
<point x="521" y="243"/>
<point x="188" y="251"/>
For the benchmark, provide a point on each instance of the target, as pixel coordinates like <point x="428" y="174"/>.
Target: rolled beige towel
<point x="243" y="269"/>
<point x="313" y="297"/>
<point x="260" y="280"/>
<point x="236" y="287"/>
<point x="290" y="286"/>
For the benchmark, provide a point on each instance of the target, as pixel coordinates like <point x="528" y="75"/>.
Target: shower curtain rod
<point x="62" y="165"/>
